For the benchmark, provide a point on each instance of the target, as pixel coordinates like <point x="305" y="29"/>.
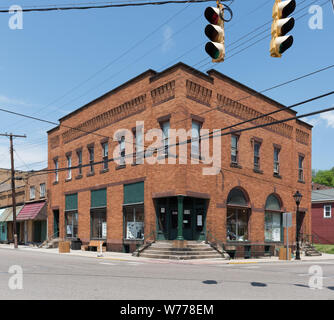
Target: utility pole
<point x="13" y="181"/>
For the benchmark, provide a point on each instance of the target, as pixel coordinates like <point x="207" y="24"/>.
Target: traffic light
<point x="281" y="25"/>
<point x="215" y="32"/>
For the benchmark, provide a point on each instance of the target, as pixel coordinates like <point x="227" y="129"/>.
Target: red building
<point x="322" y="216"/>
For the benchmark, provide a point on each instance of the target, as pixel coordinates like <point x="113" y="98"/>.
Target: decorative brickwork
<point x="54" y="142"/>
<point x="116" y="114"/>
<point x="302" y="137"/>
<point x="198" y="93"/>
<point x="163" y="93"/>
<point x="241" y="111"/>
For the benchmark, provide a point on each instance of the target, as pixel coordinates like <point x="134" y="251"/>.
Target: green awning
<point x="71" y="202"/>
<point x="134" y="193"/>
<point x="98" y="198"/>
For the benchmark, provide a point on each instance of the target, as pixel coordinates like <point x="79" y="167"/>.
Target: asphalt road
<point x="52" y="276"/>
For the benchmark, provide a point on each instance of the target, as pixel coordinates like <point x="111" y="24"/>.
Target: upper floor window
<point x="257" y="146"/>
<point x="276" y="160"/>
<point x="122" y="151"/>
<point x="32" y="192"/>
<point x="234" y="148"/>
<point x="91" y="159"/>
<point x="139" y="146"/>
<point x="79" y="155"/>
<point x="56" y="169"/>
<point x="69" y="166"/>
<point x="42" y="190"/>
<point x="105" y="155"/>
<point x="301" y="168"/>
<point x="327" y="211"/>
<point x="195" y="137"/>
<point x="165" y="126"/>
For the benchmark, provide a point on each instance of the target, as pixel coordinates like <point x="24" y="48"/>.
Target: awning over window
<point x="134" y="193"/>
<point x="71" y="202"/>
<point x="2" y="215"/>
<point x="98" y="198"/>
<point x="33" y="211"/>
<point x="7" y="215"/>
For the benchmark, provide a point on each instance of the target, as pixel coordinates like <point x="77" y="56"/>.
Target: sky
<point x="61" y="60"/>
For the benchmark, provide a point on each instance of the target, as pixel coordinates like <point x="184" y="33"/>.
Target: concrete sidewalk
<point x="128" y="257"/>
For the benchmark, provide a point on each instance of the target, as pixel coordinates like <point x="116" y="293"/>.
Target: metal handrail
<point x="146" y="243"/>
<point x="213" y="241"/>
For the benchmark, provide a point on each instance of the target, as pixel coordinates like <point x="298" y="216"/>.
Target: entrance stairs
<point x="309" y="250"/>
<point x="192" y="250"/>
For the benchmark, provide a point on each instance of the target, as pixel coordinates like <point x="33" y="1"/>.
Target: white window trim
<point x="330" y="211"/>
<point x="32" y="193"/>
<point x="42" y="190"/>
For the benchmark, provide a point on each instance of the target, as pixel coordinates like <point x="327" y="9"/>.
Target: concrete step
<point x="180" y="252"/>
<point x="204" y="248"/>
<point x="181" y="257"/>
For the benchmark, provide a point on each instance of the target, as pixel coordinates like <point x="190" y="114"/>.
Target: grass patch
<point x="325" y="248"/>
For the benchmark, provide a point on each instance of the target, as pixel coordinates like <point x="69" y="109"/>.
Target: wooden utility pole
<point x="13" y="181"/>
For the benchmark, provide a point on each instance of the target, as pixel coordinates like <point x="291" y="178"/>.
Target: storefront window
<point x="273" y="219"/>
<point x="273" y="226"/>
<point x="134" y="222"/>
<point x="71" y="224"/>
<point x="98" y="224"/>
<point x="237" y="224"/>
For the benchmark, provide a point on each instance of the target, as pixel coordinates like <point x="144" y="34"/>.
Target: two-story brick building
<point x="241" y="204"/>
<point x="31" y="214"/>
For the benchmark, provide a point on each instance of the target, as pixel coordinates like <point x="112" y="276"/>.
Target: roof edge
<point x="250" y="90"/>
<point x="113" y="91"/>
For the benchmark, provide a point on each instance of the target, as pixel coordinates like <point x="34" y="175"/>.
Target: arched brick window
<point x="237" y="218"/>
<point x="273" y="231"/>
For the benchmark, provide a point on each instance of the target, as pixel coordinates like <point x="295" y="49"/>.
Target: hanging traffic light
<point x="281" y="25"/>
<point x="215" y="32"/>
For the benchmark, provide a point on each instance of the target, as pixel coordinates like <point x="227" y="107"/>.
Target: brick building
<point x="31" y="215"/>
<point x="322" y="216"/>
<point x="240" y="205"/>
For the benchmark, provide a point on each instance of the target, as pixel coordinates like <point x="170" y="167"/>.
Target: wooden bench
<point x="94" y="244"/>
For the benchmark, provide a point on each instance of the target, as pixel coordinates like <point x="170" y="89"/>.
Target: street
<point x="49" y="276"/>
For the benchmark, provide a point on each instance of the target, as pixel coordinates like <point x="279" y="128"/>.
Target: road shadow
<point x="209" y="282"/>
<point x="258" y="284"/>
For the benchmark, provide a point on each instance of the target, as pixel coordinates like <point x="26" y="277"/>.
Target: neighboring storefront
<point x="33" y="222"/>
<point x="3" y="225"/>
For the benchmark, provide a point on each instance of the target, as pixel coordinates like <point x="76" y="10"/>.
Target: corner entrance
<point x="192" y="218"/>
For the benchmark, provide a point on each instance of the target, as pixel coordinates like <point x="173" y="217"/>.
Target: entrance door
<point x="173" y="215"/>
<point x="55" y="223"/>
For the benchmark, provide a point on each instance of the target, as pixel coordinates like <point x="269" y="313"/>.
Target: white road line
<point x="108" y="263"/>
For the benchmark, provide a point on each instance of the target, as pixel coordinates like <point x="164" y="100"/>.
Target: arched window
<point x="237" y="216"/>
<point x="236" y="197"/>
<point x="273" y="219"/>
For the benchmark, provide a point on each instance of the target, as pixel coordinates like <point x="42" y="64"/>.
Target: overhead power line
<point x="210" y="135"/>
<point x="118" y="5"/>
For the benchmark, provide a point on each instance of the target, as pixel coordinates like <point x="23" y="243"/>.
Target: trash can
<point x="76" y="244"/>
<point x="247" y="252"/>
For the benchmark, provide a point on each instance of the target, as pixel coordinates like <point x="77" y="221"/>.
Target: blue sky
<point x="57" y="51"/>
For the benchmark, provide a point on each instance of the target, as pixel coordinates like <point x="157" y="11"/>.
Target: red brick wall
<point x="183" y="178"/>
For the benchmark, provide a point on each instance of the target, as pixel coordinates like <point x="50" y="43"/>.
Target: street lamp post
<point x="297" y="196"/>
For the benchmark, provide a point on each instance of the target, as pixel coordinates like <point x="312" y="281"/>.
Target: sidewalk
<point x="128" y="257"/>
